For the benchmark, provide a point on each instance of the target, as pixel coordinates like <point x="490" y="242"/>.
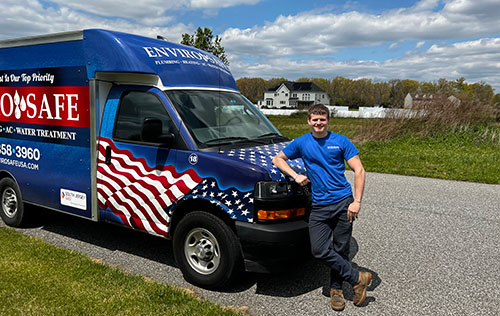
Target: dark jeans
<point x="324" y="221"/>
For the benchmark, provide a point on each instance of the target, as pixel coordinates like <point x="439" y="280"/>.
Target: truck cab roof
<point x="104" y="51"/>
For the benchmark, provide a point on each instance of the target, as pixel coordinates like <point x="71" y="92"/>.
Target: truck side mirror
<point x="152" y="132"/>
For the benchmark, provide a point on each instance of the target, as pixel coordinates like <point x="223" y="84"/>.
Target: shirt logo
<point x="333" y="147"/>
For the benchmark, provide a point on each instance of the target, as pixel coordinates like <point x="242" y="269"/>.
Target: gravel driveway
<point x="432" y="245"/>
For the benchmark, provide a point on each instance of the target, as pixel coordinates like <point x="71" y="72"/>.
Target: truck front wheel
<point x="206" y="250"/>
<point x="12" y="211"/>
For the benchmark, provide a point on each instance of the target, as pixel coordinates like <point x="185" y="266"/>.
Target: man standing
<point x="334" y="208"/>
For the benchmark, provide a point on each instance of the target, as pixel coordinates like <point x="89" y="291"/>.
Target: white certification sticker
<point x="74" y="199"/>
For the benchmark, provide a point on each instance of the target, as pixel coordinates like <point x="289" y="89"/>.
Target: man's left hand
<point x="353" y="211"/>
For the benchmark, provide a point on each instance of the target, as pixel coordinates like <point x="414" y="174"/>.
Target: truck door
<point x="137" y="180"/>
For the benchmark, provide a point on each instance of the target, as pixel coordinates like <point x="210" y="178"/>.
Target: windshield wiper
<point x="227" y="139"/>
<point x="269" y="134"/>
<point x="277" y="135"/>
<point x="234" y="139"/>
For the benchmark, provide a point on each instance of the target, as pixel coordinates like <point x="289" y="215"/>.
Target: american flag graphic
<point x="142" y="195"/>
<point x="263" y="156"/>
<point x="138" y="193"/>
<point x="238" y="204"/>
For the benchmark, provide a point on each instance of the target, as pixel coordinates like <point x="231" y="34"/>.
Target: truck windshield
<point x="217" y="118"/>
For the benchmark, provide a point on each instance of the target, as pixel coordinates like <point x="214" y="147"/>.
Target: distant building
<point x="420" y="100"/>
<point x="287" y="94"/>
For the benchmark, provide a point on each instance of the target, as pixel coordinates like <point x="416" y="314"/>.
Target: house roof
<point x="297" y="86"/>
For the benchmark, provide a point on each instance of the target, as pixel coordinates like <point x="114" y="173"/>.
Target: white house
<point x="287" y="94"/>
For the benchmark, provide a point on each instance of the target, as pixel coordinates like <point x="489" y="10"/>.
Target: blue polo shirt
<point x="324" y="159"/>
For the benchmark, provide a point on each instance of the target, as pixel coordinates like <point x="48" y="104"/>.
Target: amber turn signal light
<point x="267" y="215"/>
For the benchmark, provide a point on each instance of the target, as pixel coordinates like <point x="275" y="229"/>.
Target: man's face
<point x="318" y="123"/>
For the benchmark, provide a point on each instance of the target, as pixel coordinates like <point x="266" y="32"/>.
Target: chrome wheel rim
<point x="202" y="251"/>
<point x="9" y="202"/>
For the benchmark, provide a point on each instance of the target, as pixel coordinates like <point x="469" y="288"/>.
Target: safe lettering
<point x="63" y="106"/>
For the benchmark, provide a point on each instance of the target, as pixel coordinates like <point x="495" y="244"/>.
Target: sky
<point x="380" y="40"/>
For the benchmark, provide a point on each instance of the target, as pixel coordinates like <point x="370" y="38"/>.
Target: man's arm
<point x="359" y="185"/>
<point x="280" y="162"/>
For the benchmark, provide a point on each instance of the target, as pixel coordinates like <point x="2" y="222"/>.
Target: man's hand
<point x="302" y="179"/>
<point x="353" y="211"/>
<point x="280" y="162"/>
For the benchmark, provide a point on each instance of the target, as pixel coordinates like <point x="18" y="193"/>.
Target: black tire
<point x="11" y="203"/>
<point x="206" y="250"/>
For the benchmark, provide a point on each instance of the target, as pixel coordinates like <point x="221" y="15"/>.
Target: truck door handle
<point x="108" y="155"/>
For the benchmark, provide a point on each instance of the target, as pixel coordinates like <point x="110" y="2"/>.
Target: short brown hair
<point x="318" y="109"/>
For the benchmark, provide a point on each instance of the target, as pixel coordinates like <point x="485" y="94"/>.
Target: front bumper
<point x="272" y="247"/>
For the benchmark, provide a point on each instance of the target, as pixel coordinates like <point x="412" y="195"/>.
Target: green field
<point x="472" y="154"/>
<point x="40" y="279"/>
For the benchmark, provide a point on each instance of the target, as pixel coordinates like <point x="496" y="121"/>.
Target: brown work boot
<point x="337" y="300"/>
<point x="360" y="288"/>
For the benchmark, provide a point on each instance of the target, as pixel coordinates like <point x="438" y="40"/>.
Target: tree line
<point x="365" y="92"/>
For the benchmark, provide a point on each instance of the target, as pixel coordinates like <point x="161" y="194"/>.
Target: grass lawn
<point x="40" y="279"/>
<point x="453" y="156"/>
<point x="432" y="158"/>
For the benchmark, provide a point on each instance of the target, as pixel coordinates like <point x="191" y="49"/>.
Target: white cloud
<point x="216" y="4"/>
<point x="479" y="9"/>
<point x="146" y="9"/>
<point x="475" y="60"/>
<point x="121" y="8"/>
<point x="145" y="17"/>
<point x="29" y="17"/>
<point x="319" y="34"/>
<point x="420" y="44"/>
<point x="425" y="5"/>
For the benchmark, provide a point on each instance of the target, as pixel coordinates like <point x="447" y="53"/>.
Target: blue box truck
<point x="153" y="136"/>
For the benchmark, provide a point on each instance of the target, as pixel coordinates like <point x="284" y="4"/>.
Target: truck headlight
<point x="278" y="200"/>
<point x="272" y="189"/>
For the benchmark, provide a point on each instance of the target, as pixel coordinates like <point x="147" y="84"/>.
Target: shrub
<point x="433" y="119"/>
